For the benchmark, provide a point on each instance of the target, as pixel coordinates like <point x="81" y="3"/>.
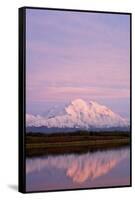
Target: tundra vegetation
<point x="40" y="144"/>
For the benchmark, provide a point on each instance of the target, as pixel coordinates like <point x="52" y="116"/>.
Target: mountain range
<point x="79" y="114"/>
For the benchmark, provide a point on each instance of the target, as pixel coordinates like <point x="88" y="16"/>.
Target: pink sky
<point x="77" y="55"/>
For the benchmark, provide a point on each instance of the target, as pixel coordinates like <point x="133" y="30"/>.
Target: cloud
<point x="62" y="93"/>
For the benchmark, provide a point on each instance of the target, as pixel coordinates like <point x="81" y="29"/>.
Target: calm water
<point x="98" y="169"/>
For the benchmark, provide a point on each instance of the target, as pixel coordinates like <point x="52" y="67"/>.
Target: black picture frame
<point x="22" y="97"/>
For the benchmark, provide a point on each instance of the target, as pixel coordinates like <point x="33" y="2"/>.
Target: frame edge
<point x="21" y="92"/>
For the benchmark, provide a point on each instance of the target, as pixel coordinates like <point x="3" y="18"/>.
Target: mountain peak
<point x="78" y="102"/>
<point x="94" y="103"/>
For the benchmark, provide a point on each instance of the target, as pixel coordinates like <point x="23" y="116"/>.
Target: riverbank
<point x="42" y="144"/>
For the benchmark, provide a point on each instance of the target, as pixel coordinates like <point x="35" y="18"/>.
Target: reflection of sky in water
<point x="101" y="168"/>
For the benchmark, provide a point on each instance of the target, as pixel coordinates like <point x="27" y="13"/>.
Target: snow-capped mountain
<point x="78" y="114"/>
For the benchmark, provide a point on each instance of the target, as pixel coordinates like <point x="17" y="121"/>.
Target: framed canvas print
<point x="74" y="99"/>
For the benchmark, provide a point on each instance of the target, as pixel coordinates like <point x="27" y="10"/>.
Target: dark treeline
<point x="74" y="136"/>
<point x="82" y="133"/>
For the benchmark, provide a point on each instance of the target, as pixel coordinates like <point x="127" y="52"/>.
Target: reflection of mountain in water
<point x="80" y="167"/>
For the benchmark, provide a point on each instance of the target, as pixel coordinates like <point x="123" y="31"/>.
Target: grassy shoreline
<point x="41" y="144"/>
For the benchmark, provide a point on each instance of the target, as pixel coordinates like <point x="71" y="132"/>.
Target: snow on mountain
<point x="55" y="111"/>
<point x="78" y="114"/>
